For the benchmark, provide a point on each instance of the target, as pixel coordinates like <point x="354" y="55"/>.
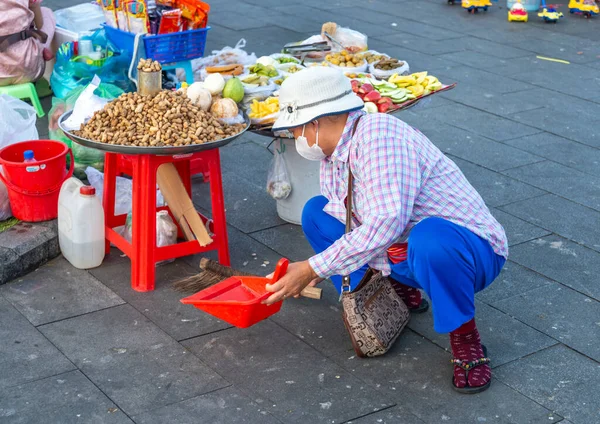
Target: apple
<point x="366" y="88"/>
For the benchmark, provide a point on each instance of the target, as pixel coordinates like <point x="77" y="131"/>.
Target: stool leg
<point x="184" y="169"/>
<point x="108" y="194"/>
<point x="218" y="205"/>
<point x="143" y="224"/>
<point x="35" y="100"/>
<point x="189" y="73"/>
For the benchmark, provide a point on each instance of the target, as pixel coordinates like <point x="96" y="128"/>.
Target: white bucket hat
<point x="312" y="94"/>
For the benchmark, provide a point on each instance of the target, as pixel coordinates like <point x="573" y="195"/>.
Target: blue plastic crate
<point x="164" y="48"/>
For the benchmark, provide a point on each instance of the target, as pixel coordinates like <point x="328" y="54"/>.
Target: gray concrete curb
<point x="25" y="247"/>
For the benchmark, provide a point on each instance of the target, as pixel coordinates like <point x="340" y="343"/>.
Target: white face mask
<point x="313" y="152"/>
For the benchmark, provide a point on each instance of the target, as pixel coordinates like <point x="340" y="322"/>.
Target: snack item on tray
<point x="264" y="108"/>
<point x="166" y="119"/>
<point x="215" y="83"/>
<point x="137" y="16"/>
<point x="199" y="95"/>
<point x="389" y="64"/>
<point x="282" y="59"/>
<point x="345" y="59"/>
<point x="121" y="15"/>
<point x="110" y="13"/>
<point x="149" y="65"/>
<point x="233" y="69"/>
<point x="171" y="21"/>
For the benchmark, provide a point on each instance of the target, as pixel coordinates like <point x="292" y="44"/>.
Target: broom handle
<point x="226" y="272"/>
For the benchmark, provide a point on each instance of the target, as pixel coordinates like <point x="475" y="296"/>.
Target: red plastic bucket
<point x="33" y="187"/>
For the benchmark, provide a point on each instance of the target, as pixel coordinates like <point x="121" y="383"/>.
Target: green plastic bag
<point x="84" y="156"/>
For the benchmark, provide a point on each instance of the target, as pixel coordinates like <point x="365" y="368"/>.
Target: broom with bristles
<point x="213" y="273"/>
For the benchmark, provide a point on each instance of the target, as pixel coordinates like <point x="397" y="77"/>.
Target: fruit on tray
<point x="293" y="69"/>
<point x="382" y="93"/>
<point x="255" y="80"/>
<point x="345" y="59"/>
<point x="370" y="107"/>
<point x="285" y="59"/>
<point x="264" y="108"/>
<point x="388" y="64"/>
<point x="371" y="57"/>
<point x="234" y="90"/>
<point x="263" y="70"/>
<point x="280" y="80"/>
<point x="355" y="75"/>
<point x="418" y="83"/>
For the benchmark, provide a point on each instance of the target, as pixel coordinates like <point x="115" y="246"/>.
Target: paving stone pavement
<point x="81" y="346"/>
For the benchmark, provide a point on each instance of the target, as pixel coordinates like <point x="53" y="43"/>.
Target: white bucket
<point x="304" y="177"/>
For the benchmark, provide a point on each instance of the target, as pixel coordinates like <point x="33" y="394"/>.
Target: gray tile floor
<point x="83" y="347"/>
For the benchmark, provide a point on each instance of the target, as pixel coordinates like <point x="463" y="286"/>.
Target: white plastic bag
<point x="166" y="231"/>
<point x="225" y="56"/>
<point x="124" y="191"/>
<point x="239" y="119"/>
<point x="353" y="41"/>
<point x="17" y="123"/>
<point x="279" y="186"/>
<point x="85" y="106"/>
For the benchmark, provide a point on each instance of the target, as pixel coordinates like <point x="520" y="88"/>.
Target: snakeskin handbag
<point x="373" y="313"/>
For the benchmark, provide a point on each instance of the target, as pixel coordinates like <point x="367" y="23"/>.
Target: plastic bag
<point x="239" y="119"/>
<point x="382" y="74"/>
<point x="85" y="106"/>
<point x="279" y="186"/>
<point x="17" y="123"/>
<point x="68" y="75"/>
<point x="225" y="56"/>
<point x="166" y="231"/>
<point x="84" y="156"/>
<point x="124" y="191"/>
<point x="353" y="41"/>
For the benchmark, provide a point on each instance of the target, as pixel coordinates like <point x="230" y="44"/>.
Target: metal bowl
<point x="140" y="150"/>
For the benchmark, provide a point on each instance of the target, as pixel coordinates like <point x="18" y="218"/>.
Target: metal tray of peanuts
<point x="165" y="150"/>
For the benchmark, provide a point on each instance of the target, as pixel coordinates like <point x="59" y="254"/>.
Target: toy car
<point x="473" y="6"/>
<point x="517" y="13"/>
<point x="586" y="7"/>
<point x="550" y="14"/>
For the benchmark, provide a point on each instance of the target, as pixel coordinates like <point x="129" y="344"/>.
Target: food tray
<point x="267" y="132"/>
<point x="137" y="150"/>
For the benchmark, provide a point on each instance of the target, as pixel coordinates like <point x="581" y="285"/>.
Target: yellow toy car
<point x="517" y="13"/>
<point x="473" y="6"/>
<point x="550" y="14"/>
<point x="586" y="7"/>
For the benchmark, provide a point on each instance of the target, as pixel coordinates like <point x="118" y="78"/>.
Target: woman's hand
<point x="298" y="276"/>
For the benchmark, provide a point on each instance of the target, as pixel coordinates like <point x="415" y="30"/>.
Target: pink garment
<point x="23" y="62"/>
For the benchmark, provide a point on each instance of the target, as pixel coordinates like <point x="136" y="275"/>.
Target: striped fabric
<point x="400" y="178"/>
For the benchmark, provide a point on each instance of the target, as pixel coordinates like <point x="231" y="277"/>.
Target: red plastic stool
<point x="201" y="167"/>
<point x="142" y="250"/>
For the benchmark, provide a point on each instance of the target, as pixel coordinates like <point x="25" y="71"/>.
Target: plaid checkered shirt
<point x="400" y="178"/>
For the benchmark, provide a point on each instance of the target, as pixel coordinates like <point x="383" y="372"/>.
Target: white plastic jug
<point x="80" y="225"/>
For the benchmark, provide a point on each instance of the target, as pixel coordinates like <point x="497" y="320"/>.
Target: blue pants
<point x="449" y="262"/>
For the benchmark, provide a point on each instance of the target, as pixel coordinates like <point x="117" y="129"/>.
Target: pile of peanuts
<point x="167" y="119"/>
<point x="149" y="65"/>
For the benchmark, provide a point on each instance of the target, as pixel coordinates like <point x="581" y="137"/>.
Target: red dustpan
<point x="238" y="300"/>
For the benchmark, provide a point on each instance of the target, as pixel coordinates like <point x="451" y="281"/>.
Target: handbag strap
<point x="346" y="278"/>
